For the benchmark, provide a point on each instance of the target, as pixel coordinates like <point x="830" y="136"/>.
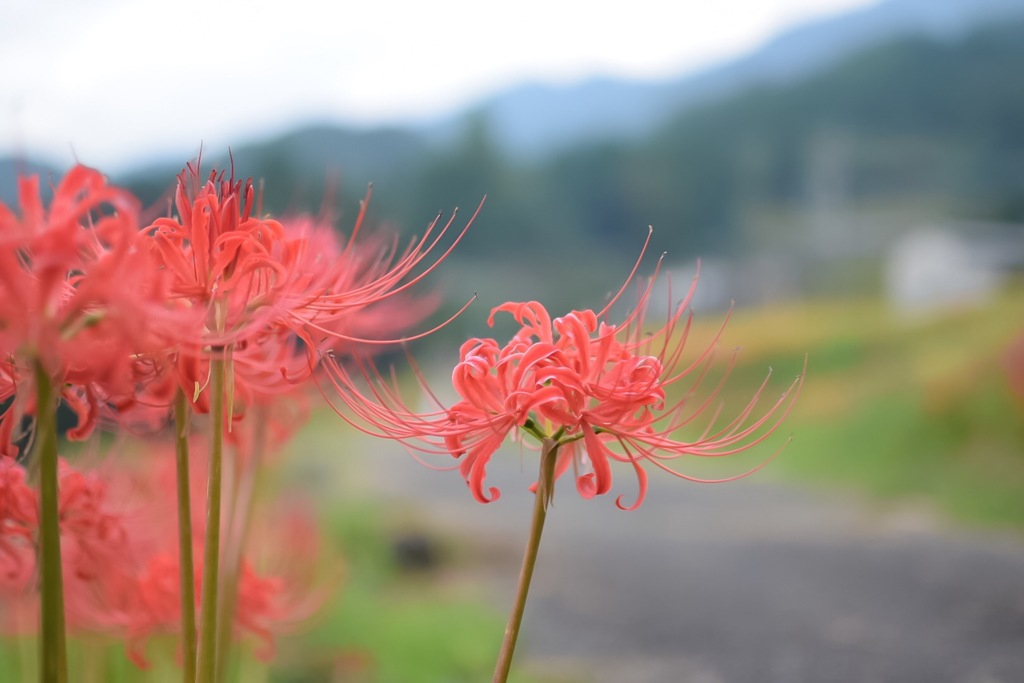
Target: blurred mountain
<point x="535" y="120"/>
<point x="362" y="155"/>
<point x="920" y="128"/>
<point x="835" y="166"/>
<point x="840" y="159"/>
<point x="11" y="168"/>
<point x="307" y="160"/>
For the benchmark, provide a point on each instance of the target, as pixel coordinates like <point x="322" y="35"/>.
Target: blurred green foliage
<point x="917" y="409"/>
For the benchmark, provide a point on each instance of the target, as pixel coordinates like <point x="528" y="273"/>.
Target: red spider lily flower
<point x="91" y="521"/>
<point x="220" y="256"/>
<point x="120" y="558"/>
<point x="278" y="583"/>
<point x="18" y="571"/>
<point x="77" y="294"/>
<point x="263" y="272"/>
<point x="604" y="393"/>
<point x="97" y="550"/>
<point x="18" y="514"/>
<point x="72" y="278"/>
<point x="276" y="292"/>
<point x="267" y="605"/>
<point x="341" y="321"/>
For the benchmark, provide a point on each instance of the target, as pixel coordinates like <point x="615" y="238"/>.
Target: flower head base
<point x="602" y="392"/>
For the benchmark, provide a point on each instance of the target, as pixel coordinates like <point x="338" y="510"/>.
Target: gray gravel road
<point x="751" y="582"/>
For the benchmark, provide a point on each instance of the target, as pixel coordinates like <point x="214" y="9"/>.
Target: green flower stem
<point x="207" y="650"/>
<point x="53" y="645"/>
<point x="545" y="489"/>
<point x="243" y="499"/>
<point x="186" y="564"/>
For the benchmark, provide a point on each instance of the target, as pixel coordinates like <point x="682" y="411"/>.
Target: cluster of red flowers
<point x="121" y="562"/>
<point x="119" y="319"/>
<point x="120" y="316"/>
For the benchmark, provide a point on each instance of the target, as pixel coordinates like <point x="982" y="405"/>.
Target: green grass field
<point x="896" y="407"/>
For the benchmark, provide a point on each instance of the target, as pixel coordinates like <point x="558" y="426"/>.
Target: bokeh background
<point x="835" y="147"/>
<point x="850" y="174"/>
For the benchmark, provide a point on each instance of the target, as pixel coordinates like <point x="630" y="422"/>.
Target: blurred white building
<point x="934" y="267"/>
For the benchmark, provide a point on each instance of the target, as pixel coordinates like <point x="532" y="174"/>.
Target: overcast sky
<point x="110" y="82"/>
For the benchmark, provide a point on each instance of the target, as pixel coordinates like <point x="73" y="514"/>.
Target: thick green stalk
<point x="206" y="662"/>
<point x="545" y="489"/>
<point x="53" y="645"/>
<point x="186" y="564"/>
